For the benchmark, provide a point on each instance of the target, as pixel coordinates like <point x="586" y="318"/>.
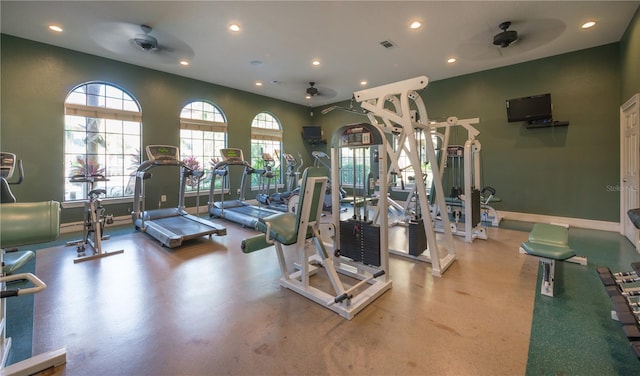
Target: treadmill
<point x="238" y="211"/>
<point x="170" y="226"/>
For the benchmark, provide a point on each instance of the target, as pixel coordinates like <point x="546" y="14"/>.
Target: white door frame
<point x="630" y="166"/>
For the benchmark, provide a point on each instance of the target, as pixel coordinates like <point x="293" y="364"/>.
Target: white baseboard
<point x="524" y="217"/>
<point x="66" y="228"/>
<point x="572" y="222"/>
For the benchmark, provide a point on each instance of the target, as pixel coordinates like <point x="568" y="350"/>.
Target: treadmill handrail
<point x="231" y="162"/>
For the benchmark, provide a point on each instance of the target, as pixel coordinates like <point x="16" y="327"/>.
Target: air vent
<point x="388" y="44"/>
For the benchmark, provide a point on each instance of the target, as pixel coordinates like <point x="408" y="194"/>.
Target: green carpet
<point x="19" y="314"/>
<point x="19" y="319"/>
<point x="573" y="333"/>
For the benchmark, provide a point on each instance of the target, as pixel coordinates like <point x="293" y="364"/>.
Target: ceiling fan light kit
<point x="146" y="41"/>
<point x="506" y="37"/>
<point x="311" y="90"/>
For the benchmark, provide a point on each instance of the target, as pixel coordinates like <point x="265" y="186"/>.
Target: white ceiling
<point x="279" y="39"/>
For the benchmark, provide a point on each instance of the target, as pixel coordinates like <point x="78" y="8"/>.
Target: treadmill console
<point x="163" y="153"/>
<point x="7" y="164"/>
<point x="232" y="156"/>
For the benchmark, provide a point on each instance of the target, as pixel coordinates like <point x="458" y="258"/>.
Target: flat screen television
<point x="312" y="133"/>
<point x="536" y="108"/>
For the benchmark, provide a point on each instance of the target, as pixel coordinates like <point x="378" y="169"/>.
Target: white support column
<point x="373" y="100"/>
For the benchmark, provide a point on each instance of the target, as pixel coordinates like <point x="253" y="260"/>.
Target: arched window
<point x="103" y="134"/>
<point x="203" y="132"/>
<point x="266" y="137"/>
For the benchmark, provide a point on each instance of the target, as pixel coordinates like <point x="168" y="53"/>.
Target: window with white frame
<point x="355" y="167"/>
<point x="203" y="132"/>
<point x="266" y="137"/>
<point x="406" y="177"/>
<point x="103" y="135"/>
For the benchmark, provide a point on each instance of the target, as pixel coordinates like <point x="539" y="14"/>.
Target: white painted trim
<point x="573" y="222"/>
<point x="514" y="216"/>
<point x="69" y="227"/>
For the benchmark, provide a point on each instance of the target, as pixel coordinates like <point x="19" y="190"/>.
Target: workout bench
<point x="550" y="243"/>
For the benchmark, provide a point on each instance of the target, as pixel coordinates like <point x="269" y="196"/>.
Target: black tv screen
<point x="312" y="133"/>
<point x="533" y="108"/>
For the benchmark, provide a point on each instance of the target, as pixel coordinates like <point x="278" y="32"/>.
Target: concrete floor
<point x="206" y="308"/>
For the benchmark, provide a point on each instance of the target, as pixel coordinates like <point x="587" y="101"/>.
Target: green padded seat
<point x="549" y="234"/>
<point x="12" y="261"/>
<point x="549" y="241"/>
<point x="283" y="227"/>
<point x="26" y="223"/>
<point x="548" y="251"/>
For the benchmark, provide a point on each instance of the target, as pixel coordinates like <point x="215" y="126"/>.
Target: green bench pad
<point x="14" y="260"/>
<point x="26" y="223"/>
<point x="549" y="234"/>
<point x="548" y="251"/>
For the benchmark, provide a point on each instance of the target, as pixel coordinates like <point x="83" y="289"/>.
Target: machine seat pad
<point x="26" y="223"/>
<point x="283" y="227"/>
<point x="548" y="234"/>
<point x="15" y="260"/>
<point x="548" y="251"/>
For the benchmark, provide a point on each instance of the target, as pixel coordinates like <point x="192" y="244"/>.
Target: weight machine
<point x="24" y="224"/>
<point x="361" y="253"/>
<point x="94" y="221"/>
<point x="468" y="221"/>
<point x="13" y="258"/>
<point x="399" y="121"/>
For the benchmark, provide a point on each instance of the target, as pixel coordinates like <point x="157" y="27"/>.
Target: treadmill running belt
<point x="254" y="211"/>
<point x="184" y="226"/>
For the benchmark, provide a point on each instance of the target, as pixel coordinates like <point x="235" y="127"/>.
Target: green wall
<point x="630" y="58"/>
<point x="562" y="171"/>
<point x="36" y="79"/>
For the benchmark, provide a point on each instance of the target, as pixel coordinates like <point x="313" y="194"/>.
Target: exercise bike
<point x="94" y="221"/>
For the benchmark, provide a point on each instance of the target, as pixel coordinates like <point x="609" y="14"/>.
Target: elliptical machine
<point x="94" y="221"/>
<point x="280" y="200"/>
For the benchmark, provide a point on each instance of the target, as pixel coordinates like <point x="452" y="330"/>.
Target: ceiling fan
<point x="145" y="41"/>
<point x="506" y="37"/>
<point x="312" y="91"/>
<point x="509" y="43"/>
<point x="140" y="42"/>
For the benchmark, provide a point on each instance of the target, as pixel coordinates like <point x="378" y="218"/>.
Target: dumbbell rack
<point x="624" y="290"/>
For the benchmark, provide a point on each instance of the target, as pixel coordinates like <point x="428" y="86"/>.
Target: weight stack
<point x="360" y="242"/>
<point x="417" y="238"/>
<point x="475" y="207"/>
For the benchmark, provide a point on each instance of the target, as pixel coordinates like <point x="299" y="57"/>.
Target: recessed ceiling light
<point x="234" y="27"/>
<point x="258" y="83"/>
<point x="315" y="62"/>
<point x="55" y="28"/>
<point x="588" y="24"/>
<point x="415" y="25"/>
<point x="451" y="60"/>
<point x="363" y="83"/>
<point x="184" y="63"/>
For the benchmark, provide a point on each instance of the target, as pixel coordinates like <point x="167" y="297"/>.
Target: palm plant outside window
<point x="266" y="137"/>
<point x="203" y="132"/>
<point x="103" y="133"/>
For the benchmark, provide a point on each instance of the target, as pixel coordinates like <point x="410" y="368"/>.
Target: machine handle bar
<point x="38" y="285"/>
